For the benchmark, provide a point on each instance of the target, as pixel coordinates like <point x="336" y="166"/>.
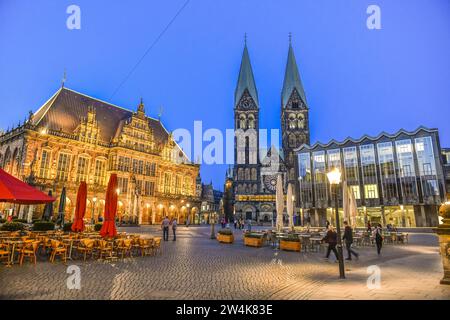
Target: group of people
<point x="240" y="224"/>
<point x="331" y="238"/>
<point x="166" y="224"/>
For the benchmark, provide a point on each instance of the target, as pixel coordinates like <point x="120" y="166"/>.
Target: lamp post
<point x="334" y="177"/>
<point x="211" y="220"/>
<point x="94" y="200"/>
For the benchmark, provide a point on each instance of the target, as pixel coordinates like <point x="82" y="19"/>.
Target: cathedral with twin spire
<point x="255" y="169"/>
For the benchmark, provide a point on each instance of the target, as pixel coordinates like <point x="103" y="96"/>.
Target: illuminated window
<point x="82" y="169"/>
<point x="100" y="172"/>
<point x="356" y="193"/>
<point x="62" y="170"/>
<point x="45" y="164"/>
<point x="371" y="191"/>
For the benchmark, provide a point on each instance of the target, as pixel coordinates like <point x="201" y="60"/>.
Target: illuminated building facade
<point x="74" y="138"/>
<point x="396" y="179"/>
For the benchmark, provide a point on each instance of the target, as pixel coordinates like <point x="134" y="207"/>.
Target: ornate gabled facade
<point x="74" y="138"/>
<point x="254" y="178"/>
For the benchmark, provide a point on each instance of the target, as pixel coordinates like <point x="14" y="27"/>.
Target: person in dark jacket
<point x="379" y="237"/>
<point x="331" y="239"/>
<point x="348" y="238"/>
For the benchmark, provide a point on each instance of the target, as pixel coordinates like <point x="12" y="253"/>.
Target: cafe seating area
<point x="19" y="247"/>
<point x="311" y="239"/>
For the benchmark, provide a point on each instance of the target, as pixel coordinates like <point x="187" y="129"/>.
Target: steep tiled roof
<point x="66" y="109"/>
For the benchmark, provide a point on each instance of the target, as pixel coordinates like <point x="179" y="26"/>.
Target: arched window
<point x="292" y="123"/>
<point x="251" y="121"/>
<point x="255" y="189"/>
<point x="300" y="121"/>
<point x="242" y="121"/>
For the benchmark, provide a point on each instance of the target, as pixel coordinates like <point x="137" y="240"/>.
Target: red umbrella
<point x="80" y="209"/>
<point x="14" y="190"/>
<point x="109" y="225"/>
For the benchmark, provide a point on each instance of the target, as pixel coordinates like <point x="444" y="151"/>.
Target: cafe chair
<point x="29" y="251"/>
<point x="156" y="246"/>
<point x="5" y="252"/>
<point x="104" y="248"/>
<point x="58" y="249"/>
<point x="124" y="247"/>
<point x="86" y="247"/>
<point x="145" y="246"/>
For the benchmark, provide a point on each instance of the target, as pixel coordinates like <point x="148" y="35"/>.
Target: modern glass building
<point x="396" y="178"/>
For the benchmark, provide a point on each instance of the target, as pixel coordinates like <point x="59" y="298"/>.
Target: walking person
<point x="174" y="229"/>
<point x="331" y="239"/>
<point x="369" y="226"/>
<point x="379" y="237"/>
<point x="165" y="228"/>
<point x="235" y="224"/>
<point x="348" y="238"/>
<point x="327" y="225"/>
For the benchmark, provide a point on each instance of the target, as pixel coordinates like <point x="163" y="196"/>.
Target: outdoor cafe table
<point x="13" y="243"/>
<point x="315" y="241"/>
<point x="70" y="242"/>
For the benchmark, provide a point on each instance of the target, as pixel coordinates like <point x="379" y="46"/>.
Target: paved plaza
<point x="196" y="267"/>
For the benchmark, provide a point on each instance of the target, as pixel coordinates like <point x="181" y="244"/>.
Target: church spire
<point x="291" y="78"/>
<point x="141" y="107"/>
<point x="246" y="79"/>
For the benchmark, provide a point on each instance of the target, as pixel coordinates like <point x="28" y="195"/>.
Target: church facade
<point x="255" y="170"/>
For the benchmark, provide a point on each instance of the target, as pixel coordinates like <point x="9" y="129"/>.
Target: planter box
<point x="290" y="245"/>
<point x="253" y="242"/>
<point x="225" y="238"/>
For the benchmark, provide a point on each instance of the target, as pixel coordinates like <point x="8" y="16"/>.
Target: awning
<point x="14" y="190"/>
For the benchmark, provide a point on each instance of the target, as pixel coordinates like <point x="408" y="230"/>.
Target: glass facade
<point x="320" y="179"/>
<point x="396" y="179"/>
<point x="407" y="172"/>
<point x="388" y="176"/>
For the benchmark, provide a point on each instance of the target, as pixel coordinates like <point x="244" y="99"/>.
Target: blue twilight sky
<point x="357" y="80"/>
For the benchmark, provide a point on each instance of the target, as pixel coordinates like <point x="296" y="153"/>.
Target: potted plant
<point x="43" y="226"/>
<point x="12" y="226"/>
<point x="291" y="243"/>
<point x="253" y="239"/>
<point x="225" y="236"/>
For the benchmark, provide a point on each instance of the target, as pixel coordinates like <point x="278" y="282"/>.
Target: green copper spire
<point x="246" y="79"/>
<point x="291" y="78"/>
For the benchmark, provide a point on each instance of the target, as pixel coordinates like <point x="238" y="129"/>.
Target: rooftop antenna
<point x="160" y="113"/>
<point x="64" y="79"/>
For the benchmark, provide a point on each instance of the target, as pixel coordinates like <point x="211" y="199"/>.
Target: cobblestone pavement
<point x="196" y="267"/>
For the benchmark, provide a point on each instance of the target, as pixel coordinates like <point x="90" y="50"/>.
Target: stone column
<point x="21" y="211"/>
<point x="30" y="214"/>
<point x="383" y="217"/>
<point x="153" y="213"/>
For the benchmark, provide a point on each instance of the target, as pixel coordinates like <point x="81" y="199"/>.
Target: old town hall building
<point x="74" y="138"/>
<point x="255" y="172"/>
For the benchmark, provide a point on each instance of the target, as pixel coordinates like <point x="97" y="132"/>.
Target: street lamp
<point x="334" y="177"/>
